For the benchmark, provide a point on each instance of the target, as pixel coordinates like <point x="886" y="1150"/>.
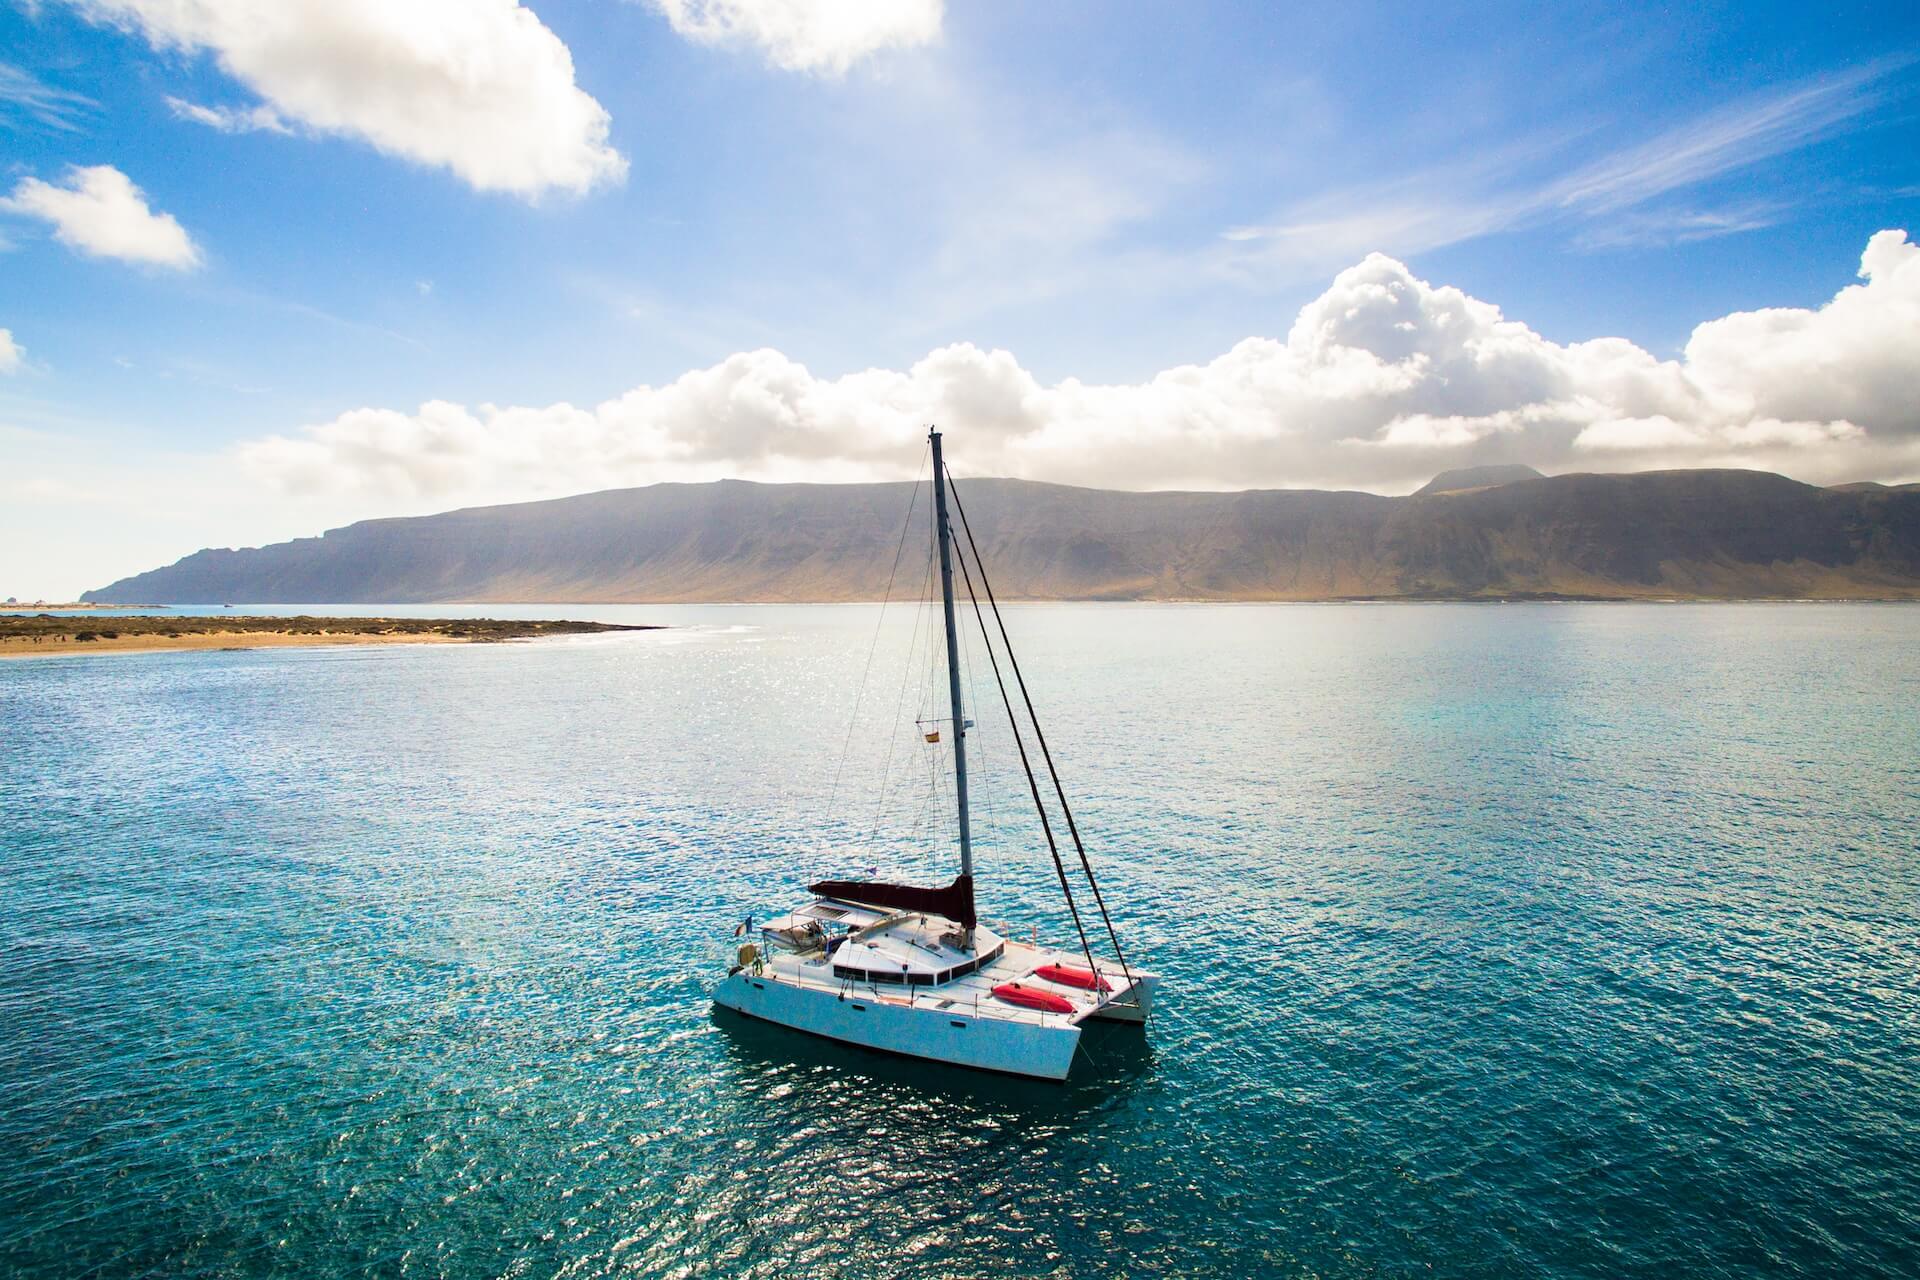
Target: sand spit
<point x="48" y="636"/>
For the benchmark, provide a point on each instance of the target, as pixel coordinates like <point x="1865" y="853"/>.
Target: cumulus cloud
<point x="1856" y="359"/>
<point x="479" y="87"/>
<point x="1381" y="381"/>
<point x="99" y="211"/>
<point x="822" y="36"/>
<point x="12" y="354"/>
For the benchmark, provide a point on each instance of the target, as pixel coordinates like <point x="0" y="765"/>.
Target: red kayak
<point x="1084" y="979"/>
<point x="1033" y="998"/>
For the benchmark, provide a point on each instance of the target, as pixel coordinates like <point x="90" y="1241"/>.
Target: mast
<point x="953" y="657"/>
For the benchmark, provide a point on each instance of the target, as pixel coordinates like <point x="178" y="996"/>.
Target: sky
<point x="271" y="266"/>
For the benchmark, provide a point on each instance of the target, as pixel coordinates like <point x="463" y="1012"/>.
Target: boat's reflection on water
<point x="1112" y="1056"/>
<point x="904" y="1166"/>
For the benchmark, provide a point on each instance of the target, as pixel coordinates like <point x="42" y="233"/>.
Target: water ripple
<point x="1571" y="940"/>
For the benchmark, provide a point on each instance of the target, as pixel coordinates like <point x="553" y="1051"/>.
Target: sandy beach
<point x="55" y="646"/>
<point x="47" y="637"/>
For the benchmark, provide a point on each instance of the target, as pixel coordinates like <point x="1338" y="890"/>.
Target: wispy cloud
<point x="24" y="94"/>
<point x="257" y="119"/>
<point x="1656" y="227"/>
<point x="1606" y="201"/>
<point x="1733" y="137"/>
<point x="1037" y="196"/>
<point x="51" y="492"/>
<point x="276" y="302"/>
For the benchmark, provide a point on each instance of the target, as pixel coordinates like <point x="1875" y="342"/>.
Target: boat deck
<point x="905" y="960"/>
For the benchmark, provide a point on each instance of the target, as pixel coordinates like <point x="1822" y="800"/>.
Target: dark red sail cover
<point x="955" y="902"/>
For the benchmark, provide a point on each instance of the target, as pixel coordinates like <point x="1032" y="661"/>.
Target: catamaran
<point x="912" y="970"/>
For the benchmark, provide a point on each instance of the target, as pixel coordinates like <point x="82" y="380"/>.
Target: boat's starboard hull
<point x="918" y="1028"/>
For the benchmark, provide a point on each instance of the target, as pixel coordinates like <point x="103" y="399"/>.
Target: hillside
<point x="1713" y="534"/>
<point x="1464" y="478"/>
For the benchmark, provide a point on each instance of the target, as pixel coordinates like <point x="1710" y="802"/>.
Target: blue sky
<point x="1068" y="200"/>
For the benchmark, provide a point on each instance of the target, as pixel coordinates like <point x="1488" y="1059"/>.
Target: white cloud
<point x="257" y="119"/>
<point x="1381" y="381"/>
<point x="823" y="36"/>
<point x="1661" y="227"/>
<point x="1857" y="358"/>
<point x="1622" y="198"/>
<point x="1643" y="435"/>
<point x="12" y="354"/>
<point x="99" y="211"/>
<point x="479" y="87"/>
<point x="23" y="93"/>
<point x="1732" y="137"/>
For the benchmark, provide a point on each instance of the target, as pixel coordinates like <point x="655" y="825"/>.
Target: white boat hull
<point x="916" y="1028"/>
<point x="1132" y="1005"/>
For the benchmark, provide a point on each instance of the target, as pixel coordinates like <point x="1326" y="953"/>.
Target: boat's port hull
<point x="917" y="1029"/>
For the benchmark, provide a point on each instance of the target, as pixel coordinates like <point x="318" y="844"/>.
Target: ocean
<point x="1495" y="940"/>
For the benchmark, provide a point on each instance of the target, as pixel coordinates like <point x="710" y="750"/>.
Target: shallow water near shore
<point x="1496" y="940"/>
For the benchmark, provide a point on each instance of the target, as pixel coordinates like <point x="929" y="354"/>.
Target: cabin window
<point x="868" y="975"/>
<point x="915" y="979"/>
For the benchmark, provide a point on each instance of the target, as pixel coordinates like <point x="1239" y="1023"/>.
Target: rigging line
<point x="906" y="675"/>
<point x="1072" y="827"/>
<point x="923" y="655"/>
<point x="987" y="761"/>
<point x="932" y="797"/>
<point x="866" y="672"/>
<point x="1033" y="784"/>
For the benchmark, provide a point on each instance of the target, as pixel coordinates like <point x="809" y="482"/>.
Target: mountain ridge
<point x="1719" y="534"/>
<point x="1463" y="478"/>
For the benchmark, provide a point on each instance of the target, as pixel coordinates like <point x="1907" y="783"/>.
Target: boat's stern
<point x="1132" y="1001"/>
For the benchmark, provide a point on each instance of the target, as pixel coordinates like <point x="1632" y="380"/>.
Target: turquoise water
<point x="1497" y="941"/>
